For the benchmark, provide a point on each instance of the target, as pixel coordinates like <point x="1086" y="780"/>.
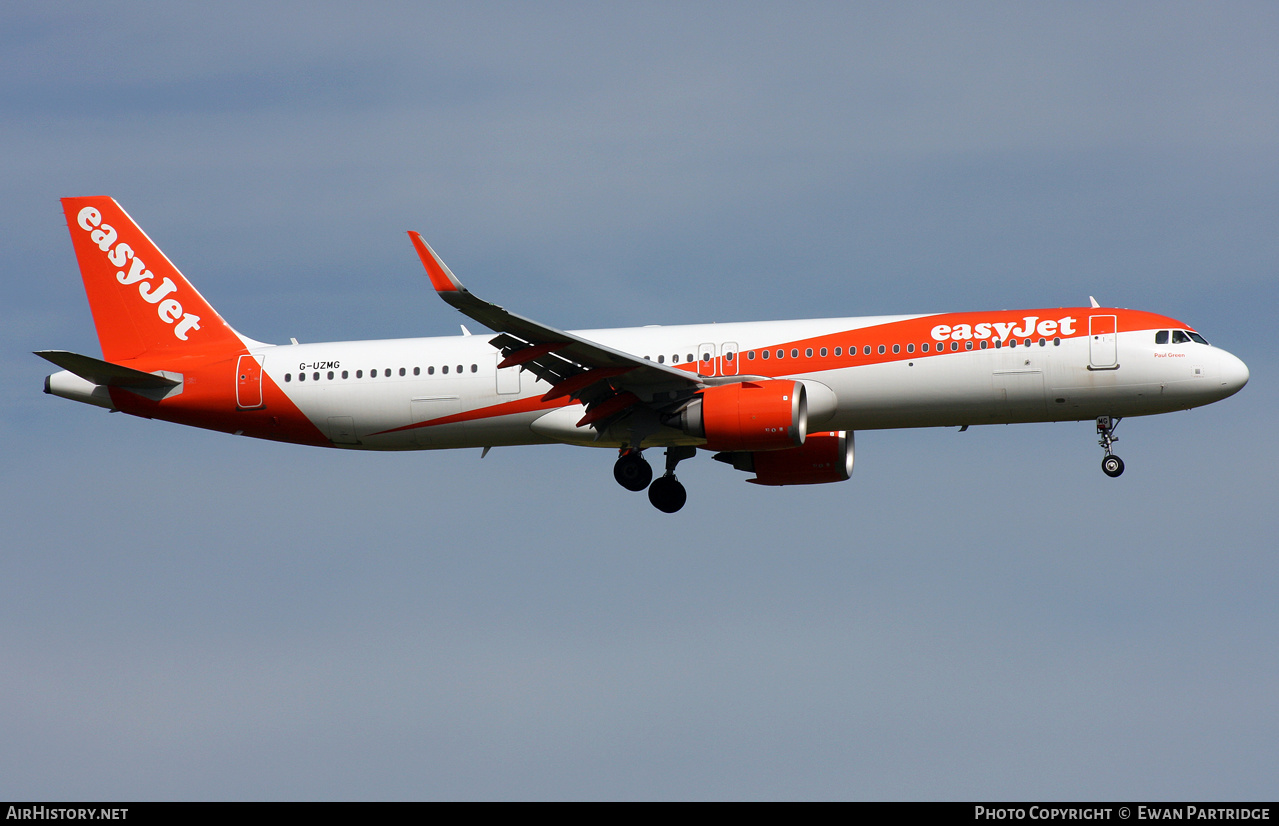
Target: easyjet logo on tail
<point x="119" y="254"/>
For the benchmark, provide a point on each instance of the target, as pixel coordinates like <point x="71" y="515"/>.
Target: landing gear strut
<point x="667" y="493"/>
<point x="631" y="471"/>
<point x="1111" y="465"/>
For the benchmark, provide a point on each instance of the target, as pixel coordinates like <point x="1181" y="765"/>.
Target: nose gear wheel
<point x="1111" y="465"/>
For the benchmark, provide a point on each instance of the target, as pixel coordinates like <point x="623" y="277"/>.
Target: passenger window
<point x="764" y="353"/>
<point x="968" y="345"/>
<point x="1042" y="342"/>
<point x="689" y="357"/>
<point x="923" y="348"/>
<point x="984" y="344"/>
<point x="781" y="354"/>
<point x="445" y="369"/>
<point x="459" y="368"/>
<point x="866" y="350"/>
<point x="954" y="345"/>
<point x="330" y="375"/>
<point x="881" y="349"/>
<point x="823" y="352"/>
<point x="750" y="356"/>
<point x="794" y="353"/>
<point x="897" y="348"/>
<point x="839" y="351"/>
<point x="475" y="368"/>
<point x="359" y="374"/>
<point x="1057" y="341"/>
<point x="430" y="370"/>
<point x="417" y="371"/>
<point x="1161" y="337"/>
<point x="288" y="377"/>
<point x="402" y="371"/>
<point x="661" y="359"/>
<point x="910" y="348"/>
<point x="345" y="374"/>
<point x="728" y="356"/>
<point x="301" y="376"/>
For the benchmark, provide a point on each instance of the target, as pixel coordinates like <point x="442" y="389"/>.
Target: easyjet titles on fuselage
<point x="1030" y="326"/>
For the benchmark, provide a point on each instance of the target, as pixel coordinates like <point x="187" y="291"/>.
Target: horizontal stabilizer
<point x="104" y="372"/>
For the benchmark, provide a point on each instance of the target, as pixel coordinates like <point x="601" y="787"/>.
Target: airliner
<point x="780" y="400"/>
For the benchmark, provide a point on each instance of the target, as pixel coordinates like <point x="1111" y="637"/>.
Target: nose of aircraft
<point x="1233" y="372"/>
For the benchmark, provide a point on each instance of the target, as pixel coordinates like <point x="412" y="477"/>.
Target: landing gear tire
<point x="632" y="472"/>
<point x="1112" y="466"/>
<point x="667" y="494"/>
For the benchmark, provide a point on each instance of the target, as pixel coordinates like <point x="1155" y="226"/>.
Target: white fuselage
<point x="344" y="388"/>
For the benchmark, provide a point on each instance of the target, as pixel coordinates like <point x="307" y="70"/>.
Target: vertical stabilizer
<point x="141" y="303"/>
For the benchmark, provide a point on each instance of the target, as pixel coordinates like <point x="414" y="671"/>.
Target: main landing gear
<point x="1111" y="465"/>
<point x="634" y="473"/>
<point x="631" y="471"/>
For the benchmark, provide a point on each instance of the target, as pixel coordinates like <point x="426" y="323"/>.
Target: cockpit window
<point x="1180" y="337"/>
<point x="1161" y="337"/>
<point x="1198" y="338"/>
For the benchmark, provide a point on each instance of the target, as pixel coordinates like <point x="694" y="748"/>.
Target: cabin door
<point x="248" y="382"/>
<point x="1102" y="348"/>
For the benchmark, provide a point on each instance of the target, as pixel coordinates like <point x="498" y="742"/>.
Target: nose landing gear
<point x="1111" y="465"/>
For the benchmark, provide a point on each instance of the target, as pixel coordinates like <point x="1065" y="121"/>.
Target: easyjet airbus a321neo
<point x="777" y="399"/>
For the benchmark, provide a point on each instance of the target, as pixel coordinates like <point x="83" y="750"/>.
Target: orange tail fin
<point x="141" y="303"/>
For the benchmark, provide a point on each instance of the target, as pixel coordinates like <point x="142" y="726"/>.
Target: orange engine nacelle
<point x="824" y="457"/>
<point x="749" y="415"/>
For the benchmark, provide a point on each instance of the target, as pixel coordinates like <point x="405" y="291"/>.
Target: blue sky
<point x="185" y="615"/>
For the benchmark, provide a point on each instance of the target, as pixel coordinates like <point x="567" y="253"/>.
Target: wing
<point x="611" y="383"/>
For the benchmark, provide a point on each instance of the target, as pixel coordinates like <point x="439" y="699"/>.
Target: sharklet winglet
<point x="442" y="279"/>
